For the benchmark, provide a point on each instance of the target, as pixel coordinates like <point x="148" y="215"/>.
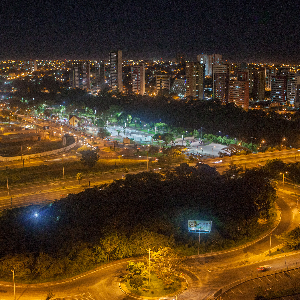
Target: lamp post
<point x="63" y="166"/>
<point x="283" y="176"/>
<point x="13" y="271"/>
<point x="149" y="267"/>
<point x="147" y="161"/>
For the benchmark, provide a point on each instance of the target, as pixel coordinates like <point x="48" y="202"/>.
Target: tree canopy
<point x="89" y="157"/>
<point x="131" y="215"/>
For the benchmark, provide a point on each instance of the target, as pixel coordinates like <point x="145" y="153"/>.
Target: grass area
<point x="156" y="287"/>
<point x="281" y="250"/>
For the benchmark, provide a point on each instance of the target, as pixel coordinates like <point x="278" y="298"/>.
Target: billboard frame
<point x="198" y="225"/>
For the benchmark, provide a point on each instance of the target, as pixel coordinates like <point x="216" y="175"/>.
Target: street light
<point x="63" y="166"/>
<point x="13" y="271"/>
<point x="147" y="161"/>
<point x="149" y="267"/>
<point x="283" y="176"/>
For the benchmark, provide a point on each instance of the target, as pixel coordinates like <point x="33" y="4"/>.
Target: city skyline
<point x="239" y="30"/>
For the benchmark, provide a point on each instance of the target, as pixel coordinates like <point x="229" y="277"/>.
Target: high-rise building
<point x="80" y="75"/>
<point x="221" y="82"/>
<point x="291" y="87"/>
<point x="115" y="71"/>
<point x="97" y="70"/>
<point x="35" y="65"/>
<point x="297" y="97"/>
<point x="238" y="91"/>
<point x="162" y="83"/>
<point x="180" y="58"/>
<point x="209" y="61"/>
<point x="258" y="89"/>
<point x="32" y="65"/>
<point x="179" y="87"/>
<point x="279" y="89"/>
<point x="269" y="72"/>
<point x="138" y="79"/>
<point x="195" y="80"/>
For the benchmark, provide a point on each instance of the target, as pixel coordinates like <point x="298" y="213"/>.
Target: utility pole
<point x="7" y="186"/>
<point x="149" y="267"/>
<point x="147" y="161"/>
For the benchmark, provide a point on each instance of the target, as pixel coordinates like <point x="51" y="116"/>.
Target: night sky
<point x="239" y="30"/>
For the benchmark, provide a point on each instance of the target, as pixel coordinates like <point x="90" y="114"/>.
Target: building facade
<point x="279" y="89"/>
<point x="115" y="71"/>
<point x="162" y="84"/>
<point x="80" y="75"/>
<point x="258" y="89"/>
<point x="209" y="61"/>
<point x="195" y="80"/>
<point x="238" y="92"/>
<point x="221" y="82"/>
<point x="138" y="79"/>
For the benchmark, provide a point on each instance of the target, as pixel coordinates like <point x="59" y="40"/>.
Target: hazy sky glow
<point x="240" y="30"/>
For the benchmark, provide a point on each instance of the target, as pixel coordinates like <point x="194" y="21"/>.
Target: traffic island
<point x="156" y="289"/>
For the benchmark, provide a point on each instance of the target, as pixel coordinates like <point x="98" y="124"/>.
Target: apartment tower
<point x="115" y="71"/>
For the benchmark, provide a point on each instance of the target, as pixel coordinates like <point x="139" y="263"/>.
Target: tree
<point x="110" y="243"/>
<point x="89" y="158"/>
<point x="165" y="264"/>
<point x="103" y="133"/>
<point x="137" y="274"/>
<point x="292" y="238"/>
<point x="166" y="137"/>
<point x="233" y="171"/>
<point x="274" y="167"/>
<point x="50" y="295"/>
<point x="136" y="281"/>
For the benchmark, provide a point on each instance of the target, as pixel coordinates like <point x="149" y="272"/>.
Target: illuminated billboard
<point x="199" y="226"/>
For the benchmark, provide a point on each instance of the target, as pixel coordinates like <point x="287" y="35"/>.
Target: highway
<point x="52" y="191"/>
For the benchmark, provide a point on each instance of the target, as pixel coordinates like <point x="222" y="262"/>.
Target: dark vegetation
<point x="127" y="217"/>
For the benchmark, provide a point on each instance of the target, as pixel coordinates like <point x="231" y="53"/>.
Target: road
<point x="206" y="274"/>
<point x="254" y="160"/>
<point x="49" y="192"/>
<point x="216" y="271"/>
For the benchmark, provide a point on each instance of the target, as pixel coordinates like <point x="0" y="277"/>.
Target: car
<point x="264" y="268"/>
<point x="218" y="161"/>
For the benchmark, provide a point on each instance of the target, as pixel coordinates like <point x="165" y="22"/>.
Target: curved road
<point x="206" y="274"/>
